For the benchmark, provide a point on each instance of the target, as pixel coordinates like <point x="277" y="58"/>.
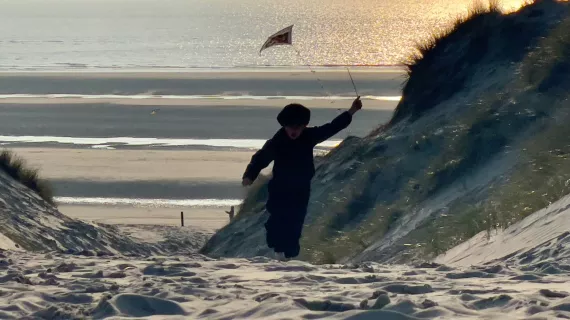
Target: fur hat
<point x="293" y="115"/>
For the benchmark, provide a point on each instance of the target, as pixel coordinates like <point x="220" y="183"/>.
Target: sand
<point x="144" y="174"/>
<point x="526" y="280"/>
<point x="137" y="165"/>
<point x="541" y="241"/>
<point x="207" y="219"/>
<point x="59" y="286"/>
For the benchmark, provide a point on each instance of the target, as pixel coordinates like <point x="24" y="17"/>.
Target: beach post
<point x="182" y="218"/>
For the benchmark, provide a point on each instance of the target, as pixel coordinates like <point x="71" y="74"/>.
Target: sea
<point x="174" y="34"/>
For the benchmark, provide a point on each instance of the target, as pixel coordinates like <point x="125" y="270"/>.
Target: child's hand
<point x="246" y="182"/>
<point x="356" y="106"/>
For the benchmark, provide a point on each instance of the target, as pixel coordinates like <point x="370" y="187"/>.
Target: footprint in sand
<point x="133" y="305"/>
<point x="469" y="274"/>
<point x="408" y="289"/>
<point x="326" y="305"/>
<point x="66" y="267"/>
<point x="553" y="294"/>
<point x="492" y="302"/>
<point x="227" y="266"/>
<point x="565" y="306"/>
<point x="290" y="268"/>
<point x="159" y="270"/>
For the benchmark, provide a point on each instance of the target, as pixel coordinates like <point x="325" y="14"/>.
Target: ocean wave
<point x="215" y="203"/>
<point x="130" y="141"/>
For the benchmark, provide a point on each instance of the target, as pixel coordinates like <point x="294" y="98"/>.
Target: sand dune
<point x="29" y="223"/>
<point x="154" y="272"/>
<point x="57" y="286"/>
<point x="541" y="239"/>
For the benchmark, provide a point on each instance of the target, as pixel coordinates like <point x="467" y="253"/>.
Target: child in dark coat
<point x="291" y="148"/>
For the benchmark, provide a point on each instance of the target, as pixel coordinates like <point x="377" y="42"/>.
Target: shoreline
<point x="202" y="88"/>
<point x="222" y="101"/>
<point x="186" y="70"/>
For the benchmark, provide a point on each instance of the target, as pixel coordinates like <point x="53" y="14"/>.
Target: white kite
<point x="282" y="37"/>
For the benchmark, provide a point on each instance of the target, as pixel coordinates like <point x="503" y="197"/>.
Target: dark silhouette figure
<point x="231" y="213"/>
<point x="291" y="149"/>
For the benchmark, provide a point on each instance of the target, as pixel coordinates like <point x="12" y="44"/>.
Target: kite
<point x="282" y="37"/>
<point x="285" y="37"/>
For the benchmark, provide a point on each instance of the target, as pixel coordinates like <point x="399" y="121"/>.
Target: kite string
<point x="352" y="80"/>
<point x="313" y="72"/>
<point x="322" y="86"/>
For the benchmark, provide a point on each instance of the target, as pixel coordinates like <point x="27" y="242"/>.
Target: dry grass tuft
<point x="17" y="168"/>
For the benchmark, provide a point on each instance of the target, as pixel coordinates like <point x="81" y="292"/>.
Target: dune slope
<point x="477" y="142"/>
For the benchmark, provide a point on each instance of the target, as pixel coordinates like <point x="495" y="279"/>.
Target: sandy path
<point x="56" y="286"/>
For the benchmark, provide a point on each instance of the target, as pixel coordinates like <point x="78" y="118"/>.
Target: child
<point x="291" y="149"/>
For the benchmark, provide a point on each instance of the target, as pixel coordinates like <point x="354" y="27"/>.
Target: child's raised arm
<point x="322" y="133"/>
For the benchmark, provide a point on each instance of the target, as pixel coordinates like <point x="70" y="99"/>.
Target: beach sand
<point x="137" y="165"/>
<point x="59" y="286"/>
<point x="512" y="282"/>
<point x="141" y="174"/>
<point x="209" y="220"/>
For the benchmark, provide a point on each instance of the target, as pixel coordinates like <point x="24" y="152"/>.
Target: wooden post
<point x="182" y="218"/>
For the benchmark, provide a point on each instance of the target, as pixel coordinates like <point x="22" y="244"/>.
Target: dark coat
<point x="293" y="168"/>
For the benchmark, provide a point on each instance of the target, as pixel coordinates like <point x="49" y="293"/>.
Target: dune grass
<point x="438" y="67"/>
<point x="17" y="168"/>
<point x="445" y="61"/>
<point x="541" y="178"/>
<point x="542" y="173"/>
